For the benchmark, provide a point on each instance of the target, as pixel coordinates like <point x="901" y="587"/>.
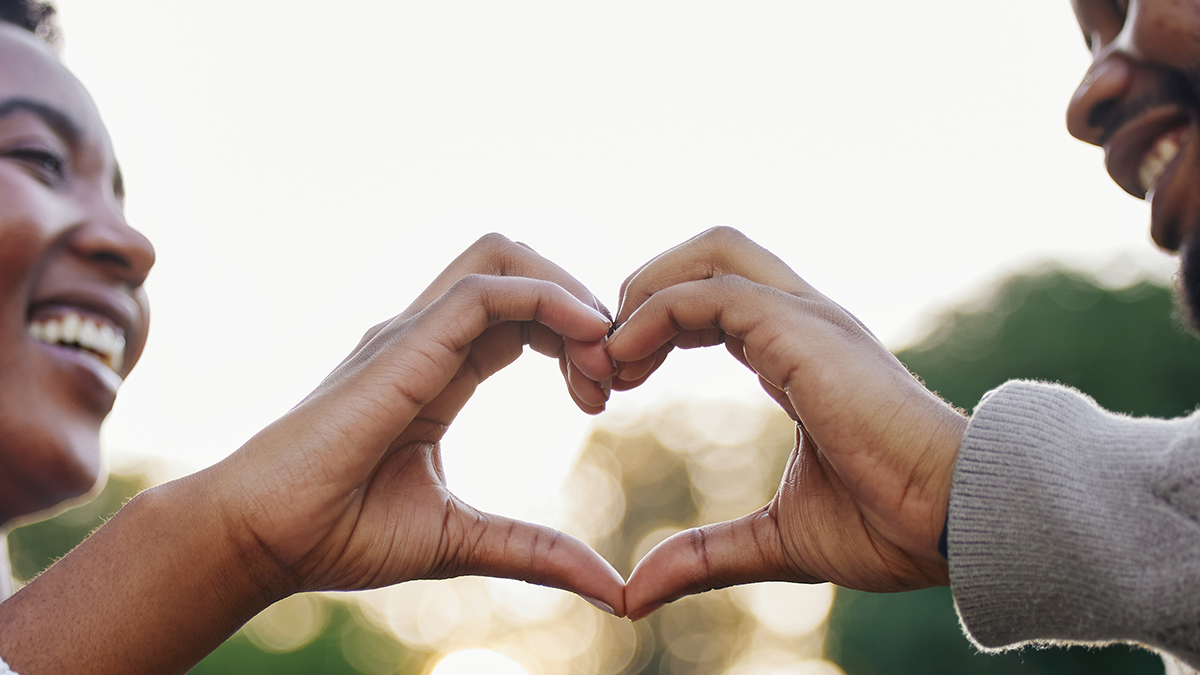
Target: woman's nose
<point x="107" y="240"/>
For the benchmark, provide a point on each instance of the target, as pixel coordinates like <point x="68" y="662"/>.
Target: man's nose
<point x="1102" y="88"/>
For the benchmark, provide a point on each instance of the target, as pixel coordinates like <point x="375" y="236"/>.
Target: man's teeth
<point x="1156" y="161"/>
<point x="70" y="329"/>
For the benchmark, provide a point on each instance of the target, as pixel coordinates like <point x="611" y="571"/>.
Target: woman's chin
<point x="52" y="477"/>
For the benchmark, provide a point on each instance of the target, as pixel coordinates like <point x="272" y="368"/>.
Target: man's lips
<point x="1162" y="152"/>
<point x="1141" y="151"/>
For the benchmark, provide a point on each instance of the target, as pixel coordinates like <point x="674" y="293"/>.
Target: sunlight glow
<point x="289" y="624"/>
<point x="787" y="608"/>
<point x="475" y="661"/>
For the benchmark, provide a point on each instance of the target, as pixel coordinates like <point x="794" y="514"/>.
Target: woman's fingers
<point x="496" y="255"/>
<point x="735" y="552"/>
<point x="375" y="395"/>
<point x="496" y="546"/>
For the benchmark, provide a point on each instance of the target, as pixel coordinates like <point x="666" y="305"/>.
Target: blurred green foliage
<point x="34" y="547"/>
<point x="346" y="644"/>
<point x="1124" y="347"/>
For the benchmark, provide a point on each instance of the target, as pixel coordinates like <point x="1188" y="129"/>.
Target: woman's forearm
<point x="153" y="591"/>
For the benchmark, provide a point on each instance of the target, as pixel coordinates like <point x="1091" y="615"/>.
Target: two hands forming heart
<point x="347" y="490"/>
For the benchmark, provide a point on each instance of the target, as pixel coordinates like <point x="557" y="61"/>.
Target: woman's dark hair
<point x="35" y="16"/>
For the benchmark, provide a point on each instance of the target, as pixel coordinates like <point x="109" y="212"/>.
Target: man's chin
<point x="1187" y="282"/>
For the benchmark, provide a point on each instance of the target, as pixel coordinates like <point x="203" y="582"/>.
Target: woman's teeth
<point x="1156" y="161"/>
<point x="71" y="330"/>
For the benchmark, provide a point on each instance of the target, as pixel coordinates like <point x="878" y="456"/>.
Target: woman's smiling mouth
<point x="90" y="334"/>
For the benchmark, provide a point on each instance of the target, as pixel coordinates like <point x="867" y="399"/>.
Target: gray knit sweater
<point x="1071" y="524"/>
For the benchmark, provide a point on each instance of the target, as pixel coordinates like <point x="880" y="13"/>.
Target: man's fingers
<point x="497" y="546"/>
<point x="739" y="551"/>
<point x="713" y="253"/>
<point x="633" y="374"/>
<point x="728" y="305"/>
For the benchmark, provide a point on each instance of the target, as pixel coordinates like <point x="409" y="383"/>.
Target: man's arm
<point x="1072" y="524"/>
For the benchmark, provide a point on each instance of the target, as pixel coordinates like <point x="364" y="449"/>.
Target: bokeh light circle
<point x="477" y="661"/>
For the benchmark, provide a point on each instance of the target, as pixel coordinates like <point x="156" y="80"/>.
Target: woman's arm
<point x="344" y="492"/>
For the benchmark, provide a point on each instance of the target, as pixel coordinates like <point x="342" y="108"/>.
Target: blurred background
<point x="305" y="168"/>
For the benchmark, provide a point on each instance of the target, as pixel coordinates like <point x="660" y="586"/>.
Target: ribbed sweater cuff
<point x="1069" y="523"/>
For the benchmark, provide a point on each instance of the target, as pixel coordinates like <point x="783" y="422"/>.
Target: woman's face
<point x="73" y="313"/>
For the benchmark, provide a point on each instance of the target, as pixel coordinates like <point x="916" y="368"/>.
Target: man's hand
<point x="864" y="495"/>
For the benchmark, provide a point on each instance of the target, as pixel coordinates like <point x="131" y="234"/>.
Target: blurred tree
<point x="1124" y="347"/>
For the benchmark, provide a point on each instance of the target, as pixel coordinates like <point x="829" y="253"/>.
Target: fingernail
<point x="603" y="318"/>
<point x="606" y="388"/>
<point x="612" y="328"/>
<point x="646" y="611"/>
<point x="598" y="605"/>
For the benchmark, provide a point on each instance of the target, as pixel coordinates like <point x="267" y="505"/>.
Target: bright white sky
<point x="305" y="169"/>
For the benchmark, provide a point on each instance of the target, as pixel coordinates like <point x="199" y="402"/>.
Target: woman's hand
<point x="346" y="491"/>
<point x="864" y="494"/>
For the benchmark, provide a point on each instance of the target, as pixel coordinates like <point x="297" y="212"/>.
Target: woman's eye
<point x="44" y="161"/>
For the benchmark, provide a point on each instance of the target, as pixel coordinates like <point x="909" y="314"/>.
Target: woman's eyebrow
<point x="60" y="122"/>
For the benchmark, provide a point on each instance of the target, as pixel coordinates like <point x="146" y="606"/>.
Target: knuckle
<point x="472" y="284"/>
<point x="465" y="283"/>
<point x="492" y="241"/>
<point x="491" y="249"/>
<point x="724" y="235"/>
<point x="371" y="332"/>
